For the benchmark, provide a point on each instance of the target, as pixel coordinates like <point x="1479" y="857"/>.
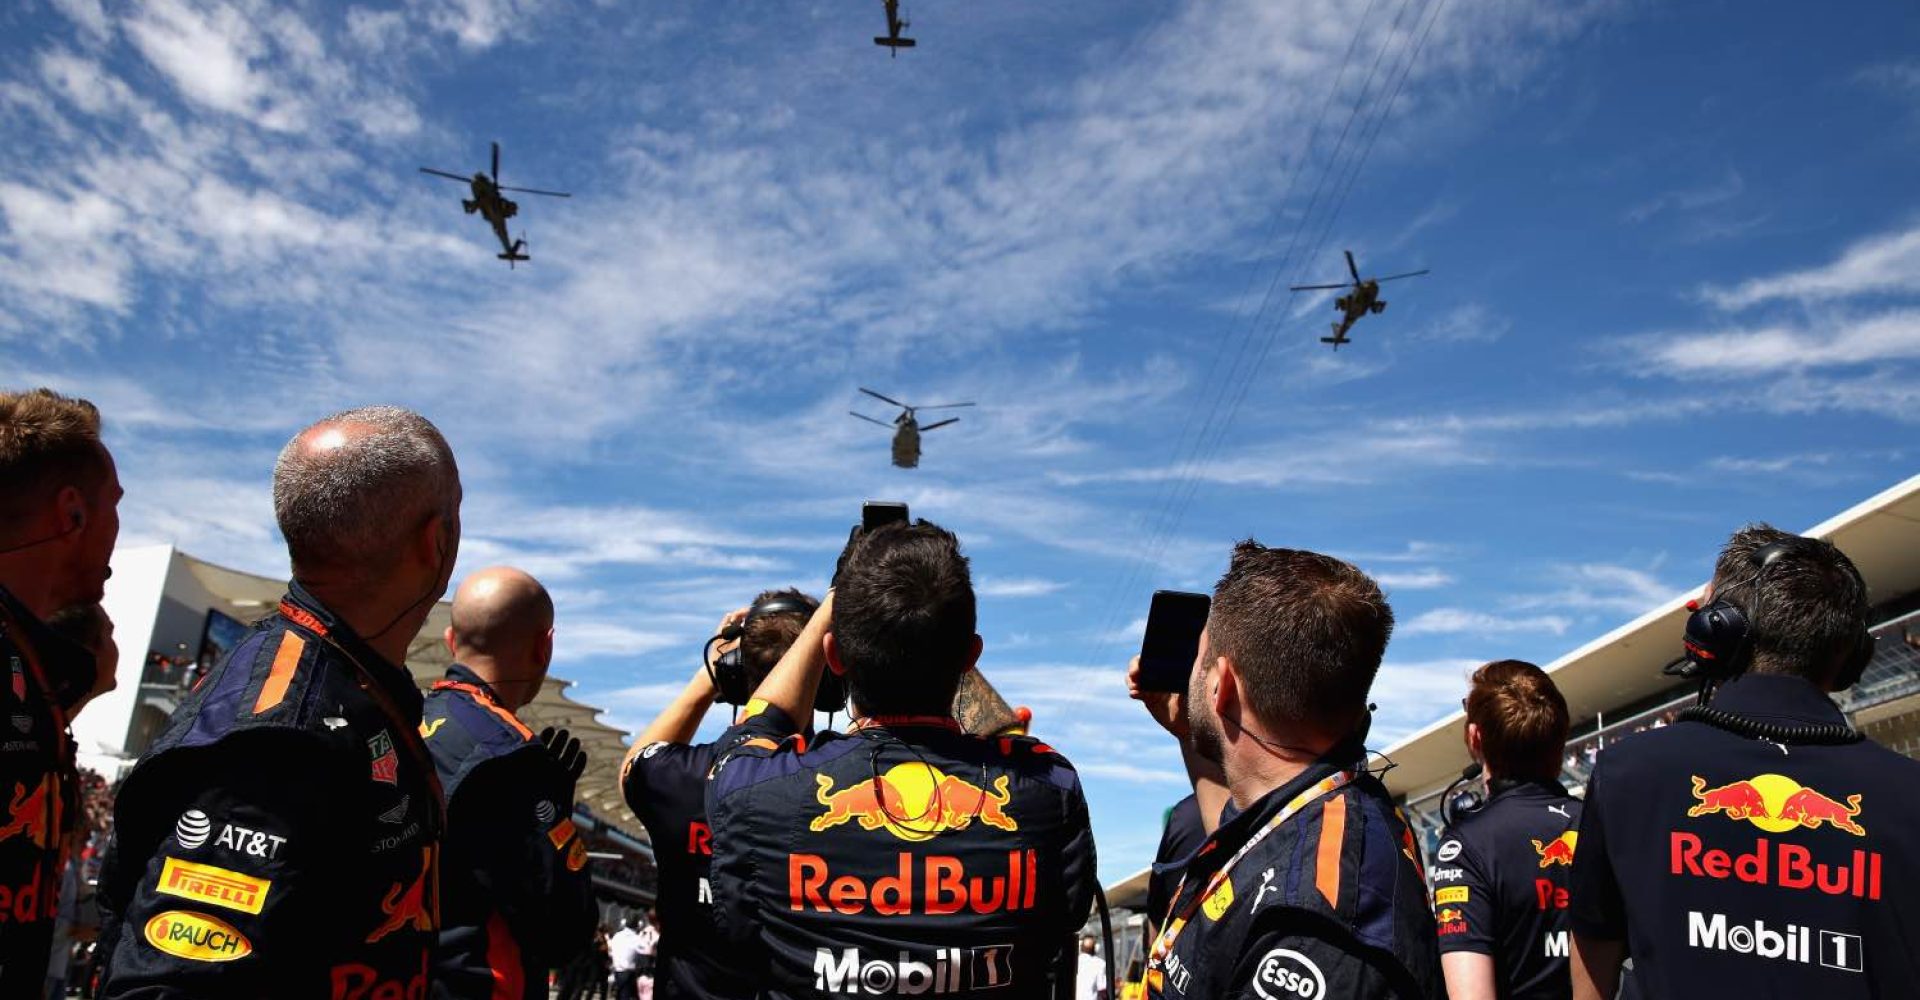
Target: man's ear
<point x="832" y="650"/>
<point x="453" y="648"/>
<point x="1475" y="741"/>
<point x="973" y="653"/>
<point x="543" y="652"/>
<point x="1223" y="687"/>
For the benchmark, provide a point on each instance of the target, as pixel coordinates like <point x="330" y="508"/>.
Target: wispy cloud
<point x="1827" y="342"/>
<point x="1464" y="621"/>
<point x="1599" y="588"/>
<point x="1427" y="578"/>
<point x="1690" y="199"/>
<point x="1887" y="263"/>
<point x="1017" y="587"/>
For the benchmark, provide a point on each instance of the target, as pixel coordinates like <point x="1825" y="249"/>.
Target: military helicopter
<point x="906" y="428"/>
<point x="495" y="209"/>
<point x="894" y="27"/>
<point x="1364" y="299"/>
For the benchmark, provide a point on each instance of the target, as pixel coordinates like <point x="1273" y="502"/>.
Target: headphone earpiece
<point x="729" y="670"/>
<point x="1719" y="635"/>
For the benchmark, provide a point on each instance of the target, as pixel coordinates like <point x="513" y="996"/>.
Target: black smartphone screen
<point x="875" y="513"/>
<point x="1172" y="641"/>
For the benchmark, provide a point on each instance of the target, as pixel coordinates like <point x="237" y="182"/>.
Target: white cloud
<point x="1599" y="588"/>
<point x="1024" y="586"/>
<point x="1827" y="342"/>
<point x="1462" y="621"/>
<point x="1428" y="578"/>
<point x="208" y="53"/>
<point x="1690" y="199"/>
<point x="589" y="639"/>
<point x="1887" y="263"/>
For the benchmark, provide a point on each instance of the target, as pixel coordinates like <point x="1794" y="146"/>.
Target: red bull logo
<point x="407" y="904"/>
<point x="357" y="981"/>
<point x="915" y="802"/>
<point x="28" y="815"/>
<point x="1558" y="851"/>
<point x="1776" y="803"/>
<point x="937" y="885"/>
<point x="1789" y="866"/>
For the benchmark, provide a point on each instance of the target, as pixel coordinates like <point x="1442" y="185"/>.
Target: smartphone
<point x="1172" y="641"/>
<point x="875" y="513"/>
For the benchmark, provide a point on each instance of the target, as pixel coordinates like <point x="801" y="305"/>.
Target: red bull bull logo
<point x="28" y="814"/>
<point x="1558" y="851"/>
<point x="915" y="802"/>
<point x="1776" y="803"/>
<point x="408" y="905"/>
<point x="936" y="885"/>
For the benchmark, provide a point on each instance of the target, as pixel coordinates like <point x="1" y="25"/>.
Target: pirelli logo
<point x="1450" y="894"/>
<point x="214" y="885"/>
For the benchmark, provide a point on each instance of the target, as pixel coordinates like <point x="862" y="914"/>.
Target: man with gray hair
<point x="281" y="836"/>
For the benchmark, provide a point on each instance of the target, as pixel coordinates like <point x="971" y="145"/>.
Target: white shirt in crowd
<point x="1091" y="981"/>
<point x="627" y="947"/>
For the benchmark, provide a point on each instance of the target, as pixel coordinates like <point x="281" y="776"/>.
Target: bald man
<point x="280" y="838"/>
<point x="518" y="899"/>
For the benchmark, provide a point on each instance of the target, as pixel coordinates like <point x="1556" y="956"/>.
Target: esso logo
<point x="1286" y="974"/>
<point x="1448" y="851"/>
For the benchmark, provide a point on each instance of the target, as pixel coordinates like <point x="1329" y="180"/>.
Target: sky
<point x="1675" y="287"/>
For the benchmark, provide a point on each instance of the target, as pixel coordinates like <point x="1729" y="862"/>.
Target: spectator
<point x="627" y="949"/>
<point x="59" y="518"/>
<point x="1311" y="879"/>
<point x="664" y="780"/>
<point x="281" y="835"/>
<point x="648" y="946"/>
<point x="518" y="898"/>
<point x="1001" y="823"/>
<point x="1090" y="978"/>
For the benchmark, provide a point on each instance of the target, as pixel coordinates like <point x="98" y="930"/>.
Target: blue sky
<point x="1676" y="255"/>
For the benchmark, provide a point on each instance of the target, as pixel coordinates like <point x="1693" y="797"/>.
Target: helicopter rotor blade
<point x="443" y="173"/>
<point x="550" y="194"/>
<point x="1409" y="274"/>
<point x="1315" y="288"/>
<point x="870" y="420"/>
<point x="884" y="399"/>
<point x="1352" y="268"/>
<point x="496" y="164"/>
<point x="939" y="424"/>
<point x="943" y="406"/>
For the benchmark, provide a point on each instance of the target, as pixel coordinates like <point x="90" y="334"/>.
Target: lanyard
<point x="1178" y="916"/>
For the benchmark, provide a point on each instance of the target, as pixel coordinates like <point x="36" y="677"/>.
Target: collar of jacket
<point x="463" y="674"/>
<point x="1777" y="698"/>
<point x="302" y="610"/>
<point x="1236" y="826"/>
<point x="66" y="666"/>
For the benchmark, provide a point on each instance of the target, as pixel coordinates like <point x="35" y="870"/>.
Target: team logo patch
<point x="19" y="680"/>
<point x="1559" y="850"/>
<point x="915" y="802"/>
<point x="399" y="812"/>
<point x="577" y="856"/>
<point x="652" y="748"/>
<point x="1450" y="894"/>
<point x="406" y="904"/>
<point x="1219" y="900"/>
<point x="1285" y="974"/>
<point x="197" y="937"/>
<point x="543" y="812"/>
<point x="213" y="885"/>
<point x="27" y="812"/>
<point x="386" y="763"/>
<point x="192" y="829"/>
<point x="1776" y="803"/>
<point x="22" y="723"/>
<point x="1448" y="851"/>
<point x="427" y="729"/>
<point x="560" y="833"/>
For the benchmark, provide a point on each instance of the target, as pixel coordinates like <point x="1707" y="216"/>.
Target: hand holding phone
<point x="1172" y="640"/>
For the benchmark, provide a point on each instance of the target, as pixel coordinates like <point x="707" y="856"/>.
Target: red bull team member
<point x="1310" y="886"/>
<point x="664" y="780"/>
<point x="518" y="899"/>
<point x="281" y="836"/>
<point x="1758" y="847"/>
<point x="58" y="522"/>
<point x="1501" y="869"/>
<point x="905" y="857"/>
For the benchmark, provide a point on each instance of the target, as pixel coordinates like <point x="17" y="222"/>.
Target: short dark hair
<point x="1807" y="610"/>
<point x="47" y="442"/>
<point x="1522" y="718"/>
<point x="767" y="637"/>
<point x="903" y="618"/>
<point x="1305" y="630"/>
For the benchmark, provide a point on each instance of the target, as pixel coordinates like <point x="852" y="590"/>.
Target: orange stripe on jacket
<point x="285" y="662"/>
<point x="1333" y="836"/>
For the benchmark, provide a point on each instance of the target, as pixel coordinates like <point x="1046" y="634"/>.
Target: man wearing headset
<point x="281" y="836"/>
<point x="1759" y="846"/>
<point x="1500" y="874"/>
<point x="1310" y="886"/>
<point x="905" y="856"/>
<point x="517" y="896"/>
<point x="58" y="522"/>
<point x="664" y="780"/>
